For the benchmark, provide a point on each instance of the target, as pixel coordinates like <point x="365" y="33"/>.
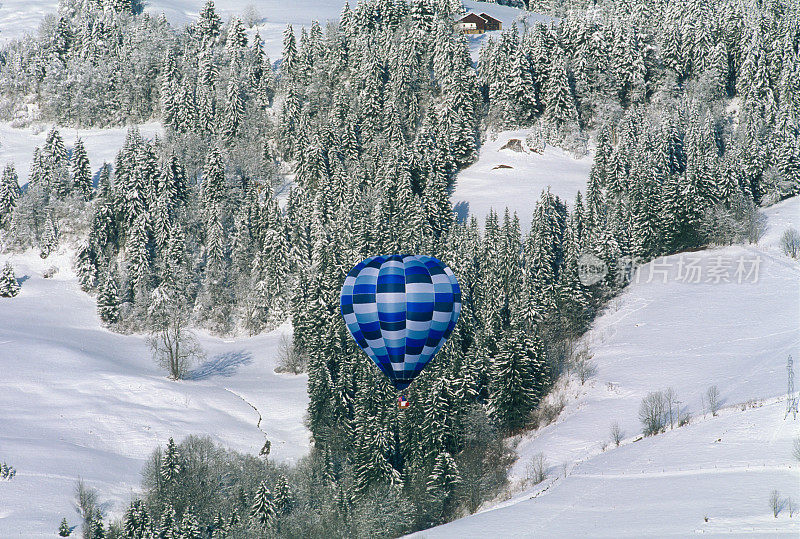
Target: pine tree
<point x="290" y="61"/>
<point x="168" y="526"/>
<point x="9" y="194"/>
<point x="171" y="465"/>
<point x="189" y="527"/>
<point x="208" y="25"/>
<point x="515" y="381"/>
<point x="49" y="241"/>
<point x="108" y="300"/>
<point x="136" y="523"/>
<point x="558" y="99"/>
<point x="284" y="499"/>
<point x="64" y="529"/>
<point x="443" y="481"/>
<point x="262" y="510"/>
<point x="97" y="529"/>
<point x="9" y="286"/>
<point x="237" y="37"/>
<point x="81" y="171"/>
<point x="234" y="111"/>
<point x="169" y="91"/>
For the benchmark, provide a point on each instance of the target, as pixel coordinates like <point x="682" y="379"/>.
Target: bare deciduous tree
<point x="174" y="346"/>
<point x="289" y="358"/>
<point x="85" y="506"/>
<point x="537" y="469"/>
<point x="796" y="448"/>
<point x="671" y="401"/>
<point x="616" y="433"/>
<point x="585" y="368"/>
<point x="712" y="400"/>
<point x="790" y="242"/>
<point x="652" y="413"/>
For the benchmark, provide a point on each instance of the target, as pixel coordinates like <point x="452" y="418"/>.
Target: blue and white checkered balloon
<point x="401" y="309"/>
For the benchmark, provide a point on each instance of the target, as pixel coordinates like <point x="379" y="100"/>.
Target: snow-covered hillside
<point x="77" y="401"/>
<point x="515" y="179"/>
<point x="668" y="331"/>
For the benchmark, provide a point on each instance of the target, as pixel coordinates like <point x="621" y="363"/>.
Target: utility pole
<point x="791" y="396"/>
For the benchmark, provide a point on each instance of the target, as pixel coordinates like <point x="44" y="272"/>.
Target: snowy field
<point x="77" y="401"/>
<point x="663" y="332"/>
<point x="489" y="184"/>
<point x="17" y="144"/>
<point x="20" y="17"/>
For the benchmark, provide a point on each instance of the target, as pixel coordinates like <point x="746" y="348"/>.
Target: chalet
<point x="492" y="24"/>
<point x="472" y="23"/>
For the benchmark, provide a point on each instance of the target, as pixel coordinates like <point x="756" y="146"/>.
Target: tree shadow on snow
<point x="462" y="211"/>
<point x="221" y="365"/>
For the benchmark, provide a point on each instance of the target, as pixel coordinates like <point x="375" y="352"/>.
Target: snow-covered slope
<point x="507" y="178"/>
<point x="77" y="401"/>
<point x="17" y="144"/>
<point x="663" y="332"/>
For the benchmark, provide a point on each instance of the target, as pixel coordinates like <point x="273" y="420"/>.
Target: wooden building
<point x="470" y="24"/>
<point x="477" y="24"/>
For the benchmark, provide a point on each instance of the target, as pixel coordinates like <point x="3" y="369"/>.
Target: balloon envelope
<point x="400" y="309"/>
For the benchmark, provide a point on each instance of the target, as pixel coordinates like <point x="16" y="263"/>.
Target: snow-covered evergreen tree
<point x="108" y="300"/>
<point x="9" y="286"/>
<point x="9" y="194"/>
<point x="262" y="510"/>
<point x="81" y="171"/>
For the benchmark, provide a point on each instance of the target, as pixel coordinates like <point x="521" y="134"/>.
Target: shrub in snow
<point x="775" y="503"/>
<point x="790" y="242"/>
<point x="7" y="472"/>
<point x="9" y="286"/>
<point x="535" y="141"/>
<point x="289" y="358"/>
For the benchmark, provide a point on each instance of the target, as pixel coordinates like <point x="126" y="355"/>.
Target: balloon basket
<point x="402" y="402"/>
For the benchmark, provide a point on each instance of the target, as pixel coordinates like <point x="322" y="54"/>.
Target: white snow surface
<point x="687" y="336"/>
<point x="78" y="401"/>
<point x="483" y="186"/>
<point x="17" y="144"/>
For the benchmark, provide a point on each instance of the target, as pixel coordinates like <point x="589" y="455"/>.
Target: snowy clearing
<point x="687" y="336"/>
<point x="484" y="186"/>
<point x="17" y="144"/>
<point x="77" y="401"/>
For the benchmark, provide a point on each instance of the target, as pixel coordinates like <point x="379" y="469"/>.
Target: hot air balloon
<point x="401" y="309"/>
